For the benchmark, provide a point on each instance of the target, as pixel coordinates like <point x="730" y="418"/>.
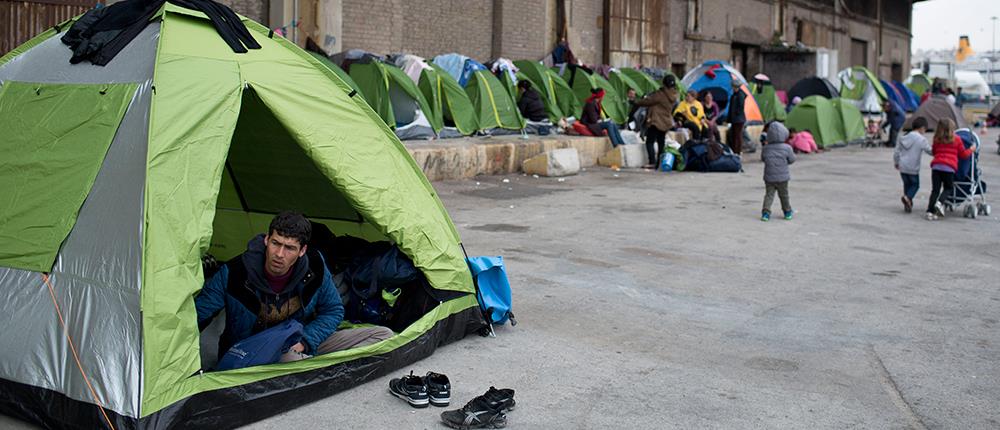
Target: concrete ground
<point x="659" y="301"/>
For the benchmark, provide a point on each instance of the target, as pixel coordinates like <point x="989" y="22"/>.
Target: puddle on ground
<point x="504" y="228"/>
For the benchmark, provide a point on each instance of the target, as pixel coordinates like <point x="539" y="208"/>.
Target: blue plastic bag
<point x="493" y="289"/>
<point x="667" y="162"/>
<point x="265" y="347"/>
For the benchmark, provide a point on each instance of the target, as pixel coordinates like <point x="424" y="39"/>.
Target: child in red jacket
<point x="948" y="149"/>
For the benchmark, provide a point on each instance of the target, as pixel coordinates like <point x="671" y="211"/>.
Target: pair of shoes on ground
<point x="487" y="411"/>
<point x="421" y="391"/>
<point x="766" y="216"/>
<point x="483" y="412"/>
<point x="907" y="204"/>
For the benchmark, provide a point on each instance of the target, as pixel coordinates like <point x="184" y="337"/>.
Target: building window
<point x="859" y="52"/>
<point x="694" y="15"/>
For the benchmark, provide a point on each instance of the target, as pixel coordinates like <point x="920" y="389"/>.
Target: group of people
<point x="947" y="149"/>
<point x="663" y="113"/>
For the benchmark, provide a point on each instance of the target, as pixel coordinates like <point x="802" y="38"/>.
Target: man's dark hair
<point x="918" y="122"/>
<point x="669" y="81"/>
<point x="293" y="225"/>
<point x="595" y="90"/>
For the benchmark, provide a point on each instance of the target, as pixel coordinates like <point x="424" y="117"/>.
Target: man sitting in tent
<point x="530" y="104"/>
<point x="691" y="115"/>
<point x="276" y="279"/>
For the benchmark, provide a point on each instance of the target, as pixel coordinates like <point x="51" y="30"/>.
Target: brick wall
<point x="585" y="32"/>
<point x="525" y="29"/>
<point x="253" y="9"/>
<point x="421" y="27"/>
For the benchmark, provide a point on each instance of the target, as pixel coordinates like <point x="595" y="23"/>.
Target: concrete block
<point x="559" y="162"/>
<point x="625" y="156"/>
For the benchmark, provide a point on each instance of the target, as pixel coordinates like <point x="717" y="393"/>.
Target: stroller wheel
<point x="985" y="209"/>
<point x="970" y="212"/>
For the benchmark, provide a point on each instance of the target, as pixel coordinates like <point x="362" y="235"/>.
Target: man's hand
<point x="298" y="347"/>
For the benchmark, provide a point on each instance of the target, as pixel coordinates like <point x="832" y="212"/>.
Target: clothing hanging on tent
<point x="101" y="33"/>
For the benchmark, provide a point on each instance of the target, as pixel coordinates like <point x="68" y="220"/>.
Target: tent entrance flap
<point x="63" y="133"/>
<point x="267" y="172"/>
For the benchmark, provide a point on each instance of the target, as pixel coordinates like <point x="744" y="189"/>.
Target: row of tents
<point x="835" y="112"/>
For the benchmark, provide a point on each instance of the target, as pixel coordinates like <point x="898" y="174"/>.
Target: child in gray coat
<point x="906" y="157"/>
<point x="776" y="155"/>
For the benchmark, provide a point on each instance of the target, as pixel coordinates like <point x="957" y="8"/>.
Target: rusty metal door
<point x="21" y="20"/>
<point x="636" y="33"/>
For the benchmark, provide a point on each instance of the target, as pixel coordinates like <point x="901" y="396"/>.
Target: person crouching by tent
<point x="948" y="149"/>
<point x="895" y="117"/>
<point x="795" y="101"/>
<point x="278" y="279"/>
<point x="530" y="104"/>
<point x="802" y="141"/>
<point x="591" y="124"/>
<point x="659" y="117"/>
<point x="691" y="114"/>
<point x="737" y="117"/>
<point x="776" y="155"/>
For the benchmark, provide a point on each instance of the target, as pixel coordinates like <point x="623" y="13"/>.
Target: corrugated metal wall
<point x="22" y="20"/>
<point x="637" y="33"/>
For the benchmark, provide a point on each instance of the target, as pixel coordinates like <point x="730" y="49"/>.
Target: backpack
<point x="375" y="279"/>
<point x="265" y="347"/>
<point x="492" y="290"/>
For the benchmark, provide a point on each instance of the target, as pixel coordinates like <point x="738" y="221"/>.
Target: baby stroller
<point x="875" y="132"/>
<point x="970" y="189"/>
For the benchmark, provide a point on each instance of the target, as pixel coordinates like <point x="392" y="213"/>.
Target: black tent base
<point x="240" y="405"/>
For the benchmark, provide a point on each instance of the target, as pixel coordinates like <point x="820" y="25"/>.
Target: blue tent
<point x="898" y="97"/>
<point x="909" y="96"/>
<point x="716" y="77"/>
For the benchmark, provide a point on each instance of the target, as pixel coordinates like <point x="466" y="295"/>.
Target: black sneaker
<point x="410" y="388"/>
<point x="477" y="414"/>
<point x="438" y="388"/>
<point x="502" y="399"/>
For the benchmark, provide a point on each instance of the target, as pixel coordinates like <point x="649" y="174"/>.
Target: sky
<point x="938" y="23"/>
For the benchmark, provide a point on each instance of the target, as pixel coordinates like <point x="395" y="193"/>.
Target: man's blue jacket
<point x="251" y="306"/>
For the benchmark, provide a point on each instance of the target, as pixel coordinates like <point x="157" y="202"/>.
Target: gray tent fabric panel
<point x="96" y="278"/>
<point x="403" y="106"/>
<point x="49" y="63"/>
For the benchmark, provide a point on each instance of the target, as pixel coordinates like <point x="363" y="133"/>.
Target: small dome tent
<point x="492" y="104"/>
<point x="142" y="174"/>
<point x="813" y="86"/>
<point x="717" y="77"/>
<point x="860" y="86"/>
<point x="396" y="99"/>
<point x="582" y="81"/>
<point x="934" y="109"/>
<point x="537" y="74"/>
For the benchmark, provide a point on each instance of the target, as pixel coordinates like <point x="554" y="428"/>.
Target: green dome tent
<point x="396" y="99"/>
<point x="623" y="83"/>
<point x="492" y="103"/>
<point x="771" y="108"/>
<point x="569" y="105"/>
<point x="538" y="75"/>
<point x="832" y="122"/>
<point x="645" y="82"/>
<point x="851" y="121"/>
<point x="336" y="69"/>
<point x="448" y="100"/>
<point x="817" y="115"/>
<point x="919" y="84"/>
<point x="860" y="86"/>
<point x="117" y="180"/>
<point x="614" y="105"/>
